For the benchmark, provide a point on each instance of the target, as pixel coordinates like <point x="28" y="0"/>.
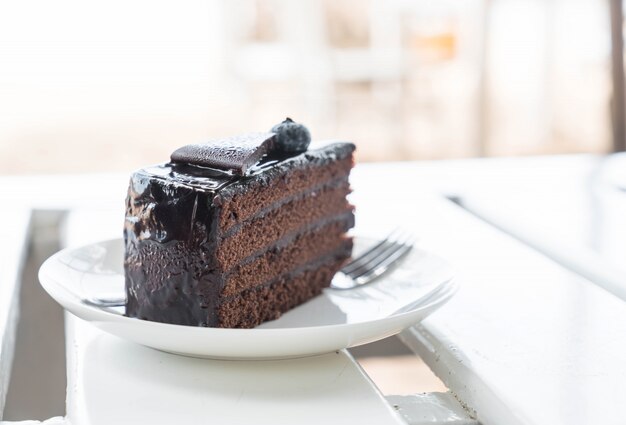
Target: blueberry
<point x="291" y="137"/>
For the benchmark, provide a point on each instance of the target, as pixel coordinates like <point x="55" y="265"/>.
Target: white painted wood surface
<point x="13" y="247"/>
<point x="431" y="408"/>
<point x="112" y="381"/>
<point x="525" y="341"/>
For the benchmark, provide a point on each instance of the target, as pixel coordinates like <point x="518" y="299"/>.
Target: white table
<point x="525" y="341"/>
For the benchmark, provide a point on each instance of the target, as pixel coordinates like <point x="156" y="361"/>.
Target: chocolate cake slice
<point x="235" y="232"/>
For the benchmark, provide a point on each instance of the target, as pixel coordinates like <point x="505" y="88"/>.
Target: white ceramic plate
<point x="332" y="321"/>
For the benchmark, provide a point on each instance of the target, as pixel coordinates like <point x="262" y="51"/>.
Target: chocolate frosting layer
<point x="235" y="154"/>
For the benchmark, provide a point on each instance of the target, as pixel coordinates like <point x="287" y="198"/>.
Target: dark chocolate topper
<point x="235" y="154"/>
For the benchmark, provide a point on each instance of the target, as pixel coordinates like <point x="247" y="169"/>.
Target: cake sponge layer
<point x="288" y="255"/>
<point x="255" y="306"/>
<point x="275" y="224"/>
<point x="265" y="194"/>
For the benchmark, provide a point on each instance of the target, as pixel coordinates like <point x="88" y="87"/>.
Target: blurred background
<point x="95" y="86"/>
<point x="111" y="86"/>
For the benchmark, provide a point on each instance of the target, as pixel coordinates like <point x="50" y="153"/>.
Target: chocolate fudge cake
<point x="237" y="231"/>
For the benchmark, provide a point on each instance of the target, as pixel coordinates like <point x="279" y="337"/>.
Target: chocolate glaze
<point x="172" y="232"/>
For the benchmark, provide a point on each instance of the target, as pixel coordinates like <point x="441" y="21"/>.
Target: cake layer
<point x="254" y="306"/>
<point x="262" y="212"/>
<point x="245" y="239"/>
<point x="292" y="254"/>
<point x="266" y="194"/>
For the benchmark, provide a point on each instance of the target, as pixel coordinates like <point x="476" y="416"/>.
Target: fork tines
<point x="378" y="259"/>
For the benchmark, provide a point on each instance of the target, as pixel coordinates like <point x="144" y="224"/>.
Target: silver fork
<point x="362" y="270"/>
<point x="374" y="262"/>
